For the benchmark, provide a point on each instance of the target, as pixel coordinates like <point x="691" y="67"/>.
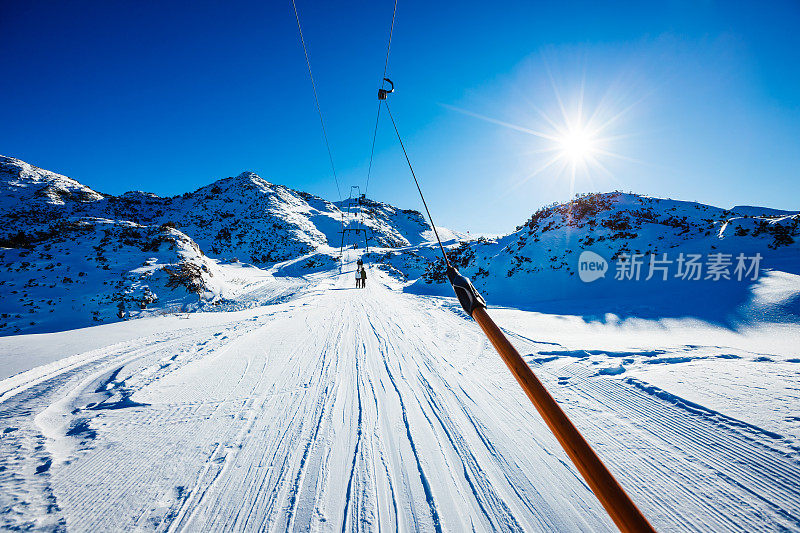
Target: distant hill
<point x="72" y="256"/>
<point x="539" y="261"/>
<point x="245" y="216"/>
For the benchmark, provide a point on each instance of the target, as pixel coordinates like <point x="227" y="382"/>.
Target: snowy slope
<point x="33" y="201"/>
<point x="304" y="404"/>
<point x="345" y="410"/>
<point x="70" y="256"/>
<point x="393" y="227"/>
<point x="95" y="270"/>
<point x="539" y="262"/>
<point x="246" y="218"/>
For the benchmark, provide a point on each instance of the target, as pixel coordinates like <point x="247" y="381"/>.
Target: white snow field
<point x="339" y="409"/>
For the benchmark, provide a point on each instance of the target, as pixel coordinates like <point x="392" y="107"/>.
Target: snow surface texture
<point x="310" y="405"/>
<point x="344" y="409"/>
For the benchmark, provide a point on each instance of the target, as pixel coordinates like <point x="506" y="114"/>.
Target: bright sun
<point x="577" y="145"/>
<point x="572" y="139"/>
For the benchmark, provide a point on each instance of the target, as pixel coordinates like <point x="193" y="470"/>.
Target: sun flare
<point x="574" y="138"/>
<point x="577" y="145"/>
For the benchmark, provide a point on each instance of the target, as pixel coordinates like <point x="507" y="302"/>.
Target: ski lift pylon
<point x="353" y="211"/>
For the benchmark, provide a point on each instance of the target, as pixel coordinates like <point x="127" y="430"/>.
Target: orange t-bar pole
<point x="616" y="501"/>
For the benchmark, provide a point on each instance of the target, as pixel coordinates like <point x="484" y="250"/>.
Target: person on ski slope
<point x="363" y="277"/>
<point x="358" y="277"/>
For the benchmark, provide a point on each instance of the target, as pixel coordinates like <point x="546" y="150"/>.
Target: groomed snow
<point x="338" y="409"/>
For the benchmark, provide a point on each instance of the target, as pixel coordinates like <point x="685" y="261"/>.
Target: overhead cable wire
<point x="316" y="99"/>
<point x="620" y="507"/>
<point x="378" y="115"/>
<point x="435" y="232"/>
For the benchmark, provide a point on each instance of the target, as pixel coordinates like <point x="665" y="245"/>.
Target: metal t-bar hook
<point x="382" y="93"/>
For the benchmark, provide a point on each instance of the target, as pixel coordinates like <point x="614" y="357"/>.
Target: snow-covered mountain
<point x="72" y="256"/>
<point x="244" y="216"/>
<point x="95" y="270"/>
<point x="92" y="416"/>
<point x="540" y="260"/>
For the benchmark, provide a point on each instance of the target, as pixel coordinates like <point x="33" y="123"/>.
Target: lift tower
<point x="353" y="218"/>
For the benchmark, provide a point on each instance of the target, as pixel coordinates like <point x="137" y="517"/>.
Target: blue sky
<point x="169" y="96"/>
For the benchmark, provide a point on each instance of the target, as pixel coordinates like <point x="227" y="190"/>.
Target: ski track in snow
<point x="346" y="410"/>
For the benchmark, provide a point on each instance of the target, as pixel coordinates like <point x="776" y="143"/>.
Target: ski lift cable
<point x="316" y="99"/>
<point x="622" y="510"/>
<point x="619" y="506"/>
<point x="435" y="232"/>
<point x="372" y="150"/>
<point x="383" y="81"/>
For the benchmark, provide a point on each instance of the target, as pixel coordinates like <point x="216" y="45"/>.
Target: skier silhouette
<point x="363" y="278"/>
<point x="358" y="277"/>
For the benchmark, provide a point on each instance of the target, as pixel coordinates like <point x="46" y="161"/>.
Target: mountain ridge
<point x="539" y="262"/>
<point x="68" y="249"/>
<point x="296" y="221"/>
<point x="72" y="256"/>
